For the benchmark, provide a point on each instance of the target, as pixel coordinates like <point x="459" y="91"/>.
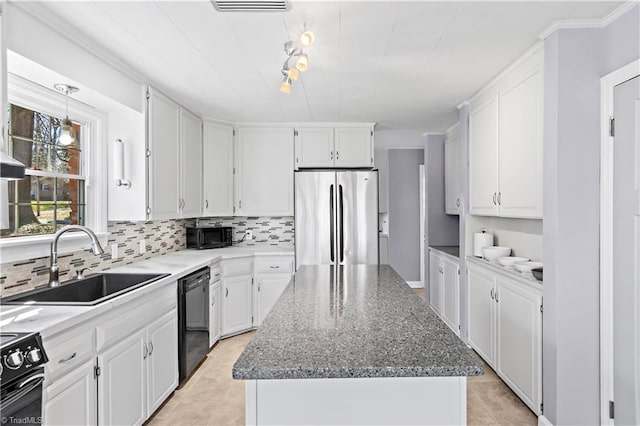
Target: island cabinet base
<point x="365" y="401"/>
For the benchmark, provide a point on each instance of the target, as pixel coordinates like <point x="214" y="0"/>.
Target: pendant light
<point x="67" y="136"/>
<point x="295" y="51"/>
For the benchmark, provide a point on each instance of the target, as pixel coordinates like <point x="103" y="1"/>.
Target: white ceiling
<point x="400" y="64"/>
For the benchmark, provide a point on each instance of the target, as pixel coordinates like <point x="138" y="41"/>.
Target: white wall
<point x="575" y="60"/>
<point x="524" y="236"/>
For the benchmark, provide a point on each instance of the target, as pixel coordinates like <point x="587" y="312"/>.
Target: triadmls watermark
<point x="24" y="420"/>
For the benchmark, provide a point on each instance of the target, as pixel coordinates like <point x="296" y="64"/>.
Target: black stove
<point x="22" y="357"/>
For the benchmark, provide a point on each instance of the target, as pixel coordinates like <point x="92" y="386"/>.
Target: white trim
<point x="462" y="104"/>
<point x="587" y="23"/>
<point x="422" y="237"/>
<point x="607" y="84"/>
<point x="543" y="421"/>
<point x="428" y="133"/>
<point x="305" y="124"/>
<point x="31" y="95"/>
<point x="453" y="128"/>
<point x="415" y="284"/>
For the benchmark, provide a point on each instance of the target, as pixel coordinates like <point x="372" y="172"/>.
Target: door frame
<point x="607" y="85"/>
<point x="423" y="215"/>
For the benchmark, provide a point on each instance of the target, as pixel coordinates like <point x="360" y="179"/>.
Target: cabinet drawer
<point x="274" y="266"/>
<point x="216" y="274"/>
<point x="68" y="351"/>
<point x="232" y="268"/>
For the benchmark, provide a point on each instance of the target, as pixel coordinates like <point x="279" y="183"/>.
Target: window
<point x="52" y="194"/>
<point x="67" y="183"/>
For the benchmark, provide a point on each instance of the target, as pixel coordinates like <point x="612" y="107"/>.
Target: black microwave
<point x="209" y="237"/>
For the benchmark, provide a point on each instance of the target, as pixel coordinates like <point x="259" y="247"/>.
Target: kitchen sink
<point x="87" y="291"/>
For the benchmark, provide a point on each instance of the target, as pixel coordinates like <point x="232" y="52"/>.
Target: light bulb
<point x="66" y="136"/>
<point x="303" y="62"/>
<point x="307" y="38"/>
<point x="293" y="73"/>
<point x="285" y="87"/>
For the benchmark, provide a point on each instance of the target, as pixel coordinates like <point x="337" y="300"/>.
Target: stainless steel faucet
<point x="54" y="270"/>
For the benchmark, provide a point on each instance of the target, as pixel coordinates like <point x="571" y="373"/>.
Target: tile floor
<point x="212" y="397"/>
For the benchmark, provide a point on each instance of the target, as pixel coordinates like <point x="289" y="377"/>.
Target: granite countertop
<point x="50" y="320"/>
<point x="353" y="321"/>
<point x="450" y="250"/>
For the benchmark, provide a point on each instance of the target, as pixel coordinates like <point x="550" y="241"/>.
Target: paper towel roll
<point x="481" y="239"/>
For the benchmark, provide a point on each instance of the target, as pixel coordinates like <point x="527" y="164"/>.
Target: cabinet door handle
<point x="67" y="359"/>
<point x="494" y="198"/>
<point x="206" y="204"/>
<point x="226" y="294"/>
<point x="332" y="155"/>
<point x="150" y="347"/>
<point x="274" y="266"/>
<point x="258" y="287"/>
<point x="496" y="296"/>
<point x="145" y="351"/>
<point x="492" y="294"/>
<point x="500" y="198"/>
<point x="240" y="204"/>
<point x="337" y="155"/>
<point x="213" y="301"/>
<point x="458" y="202"/>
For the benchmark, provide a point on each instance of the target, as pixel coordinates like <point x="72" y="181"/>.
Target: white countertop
<point x="50" y="320"/>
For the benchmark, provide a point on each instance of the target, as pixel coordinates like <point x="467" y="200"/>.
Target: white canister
<point x="481" y="239"/>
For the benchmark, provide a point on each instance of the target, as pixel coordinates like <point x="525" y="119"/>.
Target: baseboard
<point x="415" y="284"/>
<point x="543" y="421"/>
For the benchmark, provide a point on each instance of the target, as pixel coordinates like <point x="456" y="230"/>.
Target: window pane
<point x="41" y="205"/>
<point x="65" y="160"/>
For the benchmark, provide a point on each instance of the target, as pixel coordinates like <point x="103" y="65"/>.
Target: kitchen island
<point x="354" y="345"/>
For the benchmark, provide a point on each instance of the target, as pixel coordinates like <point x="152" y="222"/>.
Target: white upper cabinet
<point x="326" y="147"/>
<point x="190" y="164"/>
<point x="452" y="172"/>
<point x="163" y="139"/>
<point x="264" y="171"/>
<point x="353" y="147"/>
<point x="217" y="161"/>
<point x="314" y="147"/>
<point x="174" y="160"/>
<point x="520" y="135"/>
<point x="505" y="142"/>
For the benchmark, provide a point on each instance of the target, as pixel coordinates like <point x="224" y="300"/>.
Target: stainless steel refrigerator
<point x="336" y="217"/>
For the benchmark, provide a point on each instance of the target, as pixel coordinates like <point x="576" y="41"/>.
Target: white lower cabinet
<point x="72" y="400"/>
<point x="215" y="331"/>
<point x="236" y="308"/>
<point x="268" y="290"/>
<point x="505" y="328"/>
<point x="121" y="384"/>
<point x="444" y="289"/>
<point x="162" y="360"/>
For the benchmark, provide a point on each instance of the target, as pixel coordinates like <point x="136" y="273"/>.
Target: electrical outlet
<point x="249" y="234"/>
<point x="114" y="251"/>
<point x="143" y="246"/>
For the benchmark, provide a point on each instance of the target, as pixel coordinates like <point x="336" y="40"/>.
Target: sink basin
<point x="87" y="291"/>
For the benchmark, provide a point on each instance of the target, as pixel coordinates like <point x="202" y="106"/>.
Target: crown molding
<point x="463" y="104"/>
<point x="427" y="133"/>
<point x="588" y="23"/>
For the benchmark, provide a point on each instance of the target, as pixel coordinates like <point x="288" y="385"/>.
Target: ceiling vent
<point x="251" y="5"/>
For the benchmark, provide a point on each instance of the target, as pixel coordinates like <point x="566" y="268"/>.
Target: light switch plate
<point x="143" y="246"/>
<point x="114" y="251"/>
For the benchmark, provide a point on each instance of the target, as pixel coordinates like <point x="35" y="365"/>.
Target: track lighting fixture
<point x="67" y="136"/>
<point x="294" y="49"/>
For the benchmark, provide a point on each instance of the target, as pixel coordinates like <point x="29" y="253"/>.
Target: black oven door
<point x="22" y="399"/>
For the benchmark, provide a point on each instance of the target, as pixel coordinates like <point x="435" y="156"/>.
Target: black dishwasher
<point x="193" y="321"/>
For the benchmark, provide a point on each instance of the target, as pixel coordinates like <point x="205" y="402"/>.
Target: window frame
<point x="30" y="95"/>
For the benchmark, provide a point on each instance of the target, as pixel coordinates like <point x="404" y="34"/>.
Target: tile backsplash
<point x="160" y="237"/>
<point x="272" y="231"/>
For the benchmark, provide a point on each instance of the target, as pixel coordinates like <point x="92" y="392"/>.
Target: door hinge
<point x="234" y="209"/>
<point x="148" y="210"/>
<point x="295" y="133"/>
<point x="251" y="281"/>
<point x="240" y="204"/>
<point x="96" y="371"/>
<point x="251" y="320"/>
<point x="458" y="271"/>
<point x="372" y="133"/>
<point x="148" y="153"/>
<point x="612" y="126"/>
<point x="234" y="132"/>
<point x="541" y="309"/>
<point x="611" y="410"/>
<point x="148" y="94"/>
<point x="541" y="408"/>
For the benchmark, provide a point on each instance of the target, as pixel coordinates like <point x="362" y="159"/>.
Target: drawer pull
<point x="274" y="266"/>
<point x="67" y="359"/>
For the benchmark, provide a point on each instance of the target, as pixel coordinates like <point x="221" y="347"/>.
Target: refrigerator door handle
<point x="341" y="218"/>
<point x="331" y="222"/>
